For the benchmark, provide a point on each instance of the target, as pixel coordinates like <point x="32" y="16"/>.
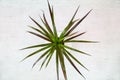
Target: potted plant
<point x="57" y="44"/>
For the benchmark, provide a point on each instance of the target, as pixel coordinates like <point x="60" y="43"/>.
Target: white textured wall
<point x="103" y="24"/>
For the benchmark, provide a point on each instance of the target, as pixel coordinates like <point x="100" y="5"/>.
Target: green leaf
<point x="36" y="46"/>
<point x="40" y="36"/>
<point x="51" y="54"/>
<point x="37" y="30"/>
<point x="82" y="41"/>
<point x="52" y="18"/>
<point x="45" y="53"/>
<point x="77" y="24"/>
<point x="51" y="35"/>
<point x="40" y="32"/>
<point x="76" y="50"/>
<point x="51" y="49"/>
<point x="39" y="25"/>
<point x="73" y="64"/>
<point x="57" y="65"/>
<point x="44" y="61"/>
<point x="36" y="52"/>
<point x="74" y="36"/>
<point x="69" y="24"/>
<point x="61" y="58"/>
<point x="47" y="25"/>
<point x="75" y="59"/>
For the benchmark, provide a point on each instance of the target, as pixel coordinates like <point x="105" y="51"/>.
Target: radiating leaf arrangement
<point x="56" y="44"/>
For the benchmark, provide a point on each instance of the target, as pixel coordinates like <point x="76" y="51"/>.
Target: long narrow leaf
<point x="47" y="25"/>
<point x="46" y="57"/>
<point x="51" y="53"/>
<point x="40" y="31"/>
<point x="57" y="65"/>
<point x="61" y="58"/>
<point x="73" y="65"/>
<point x="39" y="25"/>
<point x="36" y="46"/>
<point x="37" y="30"/>
<point x="44" y="61"/>
<point x="45" y="53"/>
<point x="52" y="18"/>
<point x="50" y="34"/>
<point x="75" y="59"/>
<point x="82" y="41"/>
<point x="69" y="24"/>
<point x="36" y="52"/>
<point x="40" y="36"/>
<point x="77" y="24"/>
<point x="74" y="36"/>
<point x="76" y="50"/>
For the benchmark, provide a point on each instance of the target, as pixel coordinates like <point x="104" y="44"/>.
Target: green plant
<point x="56" y="44"/>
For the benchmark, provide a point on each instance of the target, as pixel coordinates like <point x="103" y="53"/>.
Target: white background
<point x="103" y="24"/>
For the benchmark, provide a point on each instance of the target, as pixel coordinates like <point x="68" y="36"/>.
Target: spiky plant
<point x="57" y="44"/>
